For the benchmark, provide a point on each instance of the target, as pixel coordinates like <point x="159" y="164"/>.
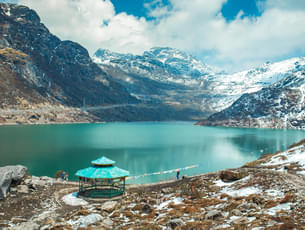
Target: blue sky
<point x="229" y="10"/>
<point x="230" y="34"/>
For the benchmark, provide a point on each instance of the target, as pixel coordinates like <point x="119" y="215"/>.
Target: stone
<point x="109" y="206"/>
<point x="174" y="223"/>
<point x="9" y="174"/>
<point x="22" y="189"/>
<point x="146" y="209"/>
<point x="108" y="223"/>
<point x="213" y="215"/>
<point x="236" y="212"/>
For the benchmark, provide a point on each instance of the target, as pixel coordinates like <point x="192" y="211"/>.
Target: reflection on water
<point x="143" y="147"/>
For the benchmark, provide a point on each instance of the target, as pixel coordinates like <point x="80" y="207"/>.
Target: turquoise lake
<point x="140" y="147"/>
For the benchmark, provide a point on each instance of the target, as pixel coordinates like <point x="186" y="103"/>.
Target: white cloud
<point x="195" y="26"/>
<point x="92" y="23"/>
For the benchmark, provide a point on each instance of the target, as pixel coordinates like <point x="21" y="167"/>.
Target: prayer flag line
<point x="162" y="172"/>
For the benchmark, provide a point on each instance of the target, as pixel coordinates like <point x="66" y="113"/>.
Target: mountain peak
<point x="164" y="63"/>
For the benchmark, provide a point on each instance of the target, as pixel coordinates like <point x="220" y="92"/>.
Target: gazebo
<point x="102" y="179"/>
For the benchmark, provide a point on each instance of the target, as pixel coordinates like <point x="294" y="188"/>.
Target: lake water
<point x="140" y="148"/>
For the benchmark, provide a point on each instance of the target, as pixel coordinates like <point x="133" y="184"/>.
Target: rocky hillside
<point x="38" y="68"/>
<point x="264" y="194"/>
<point x="280" y="105"/>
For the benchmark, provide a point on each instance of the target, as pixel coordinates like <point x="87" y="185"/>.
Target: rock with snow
<point x="73" y="200"/>
<point x="84" y="221"/>
<point x="9" y="174"/>
<point x="109" y="206"/>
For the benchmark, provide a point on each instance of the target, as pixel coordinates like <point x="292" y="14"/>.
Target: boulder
<point x="109" y="206"/>
<point x="9" y="174"/>
<point x="230" y="176"/>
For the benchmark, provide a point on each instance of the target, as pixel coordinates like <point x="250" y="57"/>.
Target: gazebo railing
<point x="101" y="189"/>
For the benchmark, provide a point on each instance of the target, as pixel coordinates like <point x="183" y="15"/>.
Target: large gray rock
<point x="9" y="174"/>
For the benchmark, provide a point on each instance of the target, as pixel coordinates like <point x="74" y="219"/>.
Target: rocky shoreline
<point x="264" y="194"/>
<point x="45" y="114"/>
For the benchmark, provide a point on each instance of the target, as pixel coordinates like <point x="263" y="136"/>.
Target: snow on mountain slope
<point x="280" y="105"/>
<point x="211" y="89"/>
<point x="228" y="88"/>
<point x="161" y="64"/>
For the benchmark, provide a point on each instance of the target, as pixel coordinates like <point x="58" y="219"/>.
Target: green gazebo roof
<point x="95" y="172"/>
<point x="103" y="161"/>
<point x="102" y="168"/>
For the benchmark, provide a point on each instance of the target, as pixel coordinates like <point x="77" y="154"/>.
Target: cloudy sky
<point x="231" y="34"/>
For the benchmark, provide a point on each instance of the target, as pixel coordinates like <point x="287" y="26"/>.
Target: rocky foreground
<point x="264" y="194"/>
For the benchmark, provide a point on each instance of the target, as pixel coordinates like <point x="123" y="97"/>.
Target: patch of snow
<point x="274" y="193"/>
<point x="279" y="207"/>
<point x="73" y="200"/>
<point x="296" y="155"/>
<point x="241" y="192"/>
<point x="220" y="183"/>
<point x="176" y="200"/>
<point x="84" y="221"/>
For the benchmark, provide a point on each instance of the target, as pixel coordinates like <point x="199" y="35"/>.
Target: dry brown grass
<point x="289" y="197"/>
<point x="13" y="54"/>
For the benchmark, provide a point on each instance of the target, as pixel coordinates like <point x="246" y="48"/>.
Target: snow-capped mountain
<point x="280" y="105"/>
<point x="228" y="88"/>
<point x="175" y="77"/>
<point x="162" y="64"/>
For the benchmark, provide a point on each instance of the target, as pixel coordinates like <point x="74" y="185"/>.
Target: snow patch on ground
<point x="295" y="155"/>
<point x="176" y="200"/>
<point x="73" y="200"/>
<point x="279" y="207"/>
<point x="241" y="192"/>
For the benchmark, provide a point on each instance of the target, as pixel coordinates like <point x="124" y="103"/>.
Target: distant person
<point x="178" y="174"/>
<point x="63" y="175"/>
<point x="66" y="176"/>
